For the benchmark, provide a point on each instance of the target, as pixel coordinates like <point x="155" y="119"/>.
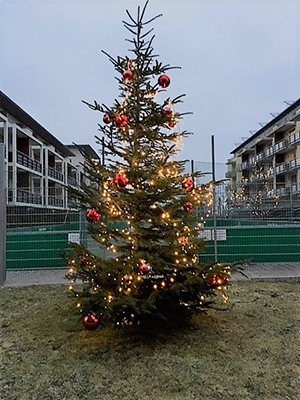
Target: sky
<point x="239" y="59"/>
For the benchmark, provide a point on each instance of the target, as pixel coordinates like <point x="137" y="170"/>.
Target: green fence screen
<point x="43" y="246"/>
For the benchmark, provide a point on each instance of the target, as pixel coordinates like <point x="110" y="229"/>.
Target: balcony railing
<point x="270" y="151"/>
<point x="53" y="173"/>
<point x="294" y="164"/>
<point x="270" y="172"/>
<point x="24" y="196"/>
<point x="245" y="165"/>
<point x="294" y="138"/>
<point x="259" y="156"/>
<point x="230" y="174"/>
<point x="251" y="161"/>
<point x="281" y="190"/>
<point x="295" y="188"/>
<point x="55" y="201"/>
<point x="72" y="182"/>
<point x="28" y="162"/>
<point x="281" y="168"/>
<point x="280" y="146"/>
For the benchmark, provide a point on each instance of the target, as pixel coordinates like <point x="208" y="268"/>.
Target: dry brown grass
<point x="246" y="351"/>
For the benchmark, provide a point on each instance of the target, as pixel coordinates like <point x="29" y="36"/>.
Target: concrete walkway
<point x="272" y="272"/>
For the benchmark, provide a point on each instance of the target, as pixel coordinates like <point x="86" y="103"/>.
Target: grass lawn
<point x="248" y="350"/>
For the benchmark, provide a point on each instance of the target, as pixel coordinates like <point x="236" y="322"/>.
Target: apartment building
<point x="266" y="167"/>
<point x="79" y="160"/>
<point x="38" y="167"/>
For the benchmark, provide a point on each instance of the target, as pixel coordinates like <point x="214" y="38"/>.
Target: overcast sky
<point x="240" y="60"/>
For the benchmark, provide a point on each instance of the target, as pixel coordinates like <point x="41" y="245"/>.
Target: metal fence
<point x="37" y="237"/>
<point x="257" y="228"/>
<point x="253" y="241"/>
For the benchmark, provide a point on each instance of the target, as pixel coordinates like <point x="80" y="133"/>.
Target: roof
<point x="268" y="125"/>
<point x="12" y="108"/>
<point x="87" y="148"/>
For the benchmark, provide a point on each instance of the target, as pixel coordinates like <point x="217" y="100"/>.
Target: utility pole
<point x="192" y="167"/>
<point x="214" y="197"/>
<point x="103" y="151"/>
<point x="2" y="217"/>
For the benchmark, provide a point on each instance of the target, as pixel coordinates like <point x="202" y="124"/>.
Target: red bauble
<point x="120" y="181"/>
<point x="172" y="124"/>
<point x="127" y="75"/>
<point x="167" y="111"/>
<point x="188" y="207"/>
<point x="145" y="268"/>
<point x="182" y="241"/>
<point x="92" y="216"/>
<point x="90" y="322"/>
<point x="164" y="81"/>
<point x="188" y="185"/>
<point x="121" y="121"/>
<point x="106" y="119"/>
<point x="218" y="280"/>
<point x="84" y="261"/>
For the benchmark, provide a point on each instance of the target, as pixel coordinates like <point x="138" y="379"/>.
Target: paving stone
<point x="272" y="272"/>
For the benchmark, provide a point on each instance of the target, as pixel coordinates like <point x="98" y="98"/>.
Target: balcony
<point x="28" y="162"/>
<point x="54" y="174"/>
<point x="293" y="139"/>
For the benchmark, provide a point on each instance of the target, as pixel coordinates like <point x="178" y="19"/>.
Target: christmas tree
<point x="142" y="206"/>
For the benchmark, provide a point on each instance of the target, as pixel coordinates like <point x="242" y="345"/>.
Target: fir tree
<point x="142" y="206"/>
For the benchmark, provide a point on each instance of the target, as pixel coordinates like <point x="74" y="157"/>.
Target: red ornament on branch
<point x="167" y="111"/>
<point x="182" y="241"/>
<point x="188" y="185"/>
<point x="218" y="280"/>
<point x="120" y="181"/>
<point x="106" y="119"/>
<point x="172" y="123"/>
<point x="164" y="81"/>
<point x="90" y="322"/>
<point x="121" y="121"/>
<point x="92" y="216"/>
<point x="84" y="261"/>
<point x="188" y="207"/>
<point x="145" y="268"/>
<point x="127" y="76"/>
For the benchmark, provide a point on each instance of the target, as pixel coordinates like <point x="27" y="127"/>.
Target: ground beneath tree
<point x="246" y="351"/>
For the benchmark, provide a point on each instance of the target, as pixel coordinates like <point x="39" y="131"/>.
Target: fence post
<point x="214" y="197"/>
<point x="2" y="217"/>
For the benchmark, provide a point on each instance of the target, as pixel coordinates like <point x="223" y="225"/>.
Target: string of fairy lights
<point x="129" y="283"/>
<point x="255" y="192"/>
<point x="139" y="149"/>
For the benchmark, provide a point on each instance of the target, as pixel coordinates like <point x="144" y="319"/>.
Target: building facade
<point x="264" y="171"/>
<point x="38" y="167"/>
